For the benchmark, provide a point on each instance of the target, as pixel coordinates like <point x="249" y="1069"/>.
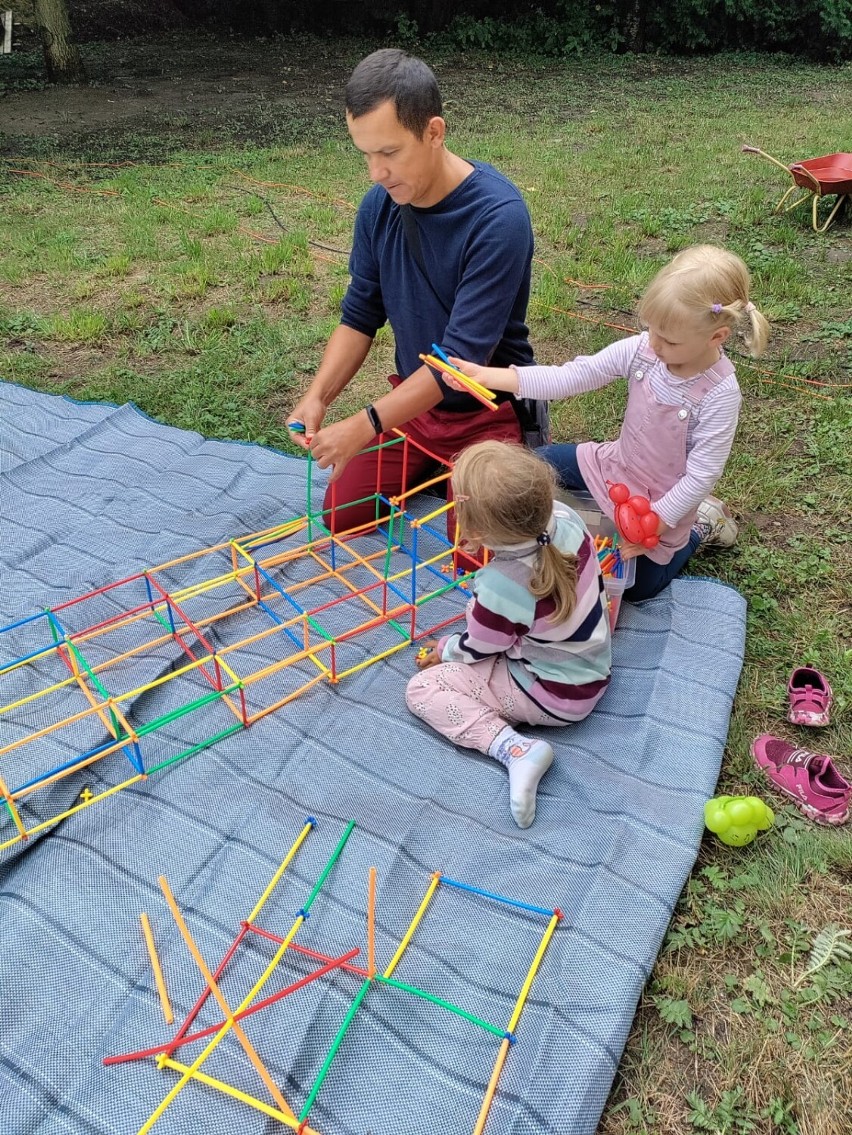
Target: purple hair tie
<point x="716" y="308"/>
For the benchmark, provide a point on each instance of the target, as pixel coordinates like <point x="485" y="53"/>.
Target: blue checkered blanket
<point x="92" y="493"/>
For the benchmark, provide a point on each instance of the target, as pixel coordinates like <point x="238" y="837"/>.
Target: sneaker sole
<point x="797" y="719"/>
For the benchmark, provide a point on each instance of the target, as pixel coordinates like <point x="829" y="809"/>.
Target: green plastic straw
<point x="334" y="857"/>
<point x="81" y="661"/>
<point x="391" y="520"/>
<point x="440" y="591"/>
<point x="197" y="748"/>
<point x="341" y="1032"/>
<point x="161" y="619"/>
<point x="174" y="714"/>
<point x="444" y="1004"/>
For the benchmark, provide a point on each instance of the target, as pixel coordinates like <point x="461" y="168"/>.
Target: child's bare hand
<point x="629" y="551"/>
<point x="427" y="655"/>
<point x="492" y="378"/>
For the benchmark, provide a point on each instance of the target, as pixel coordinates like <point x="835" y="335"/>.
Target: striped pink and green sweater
<point x="565" y="667"/>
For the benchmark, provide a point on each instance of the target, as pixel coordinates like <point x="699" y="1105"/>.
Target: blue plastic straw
<point x="23" y="622"/>
<point x="497" y="898"/>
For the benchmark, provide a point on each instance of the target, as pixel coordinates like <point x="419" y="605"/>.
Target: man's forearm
<point x="418" y="393"/>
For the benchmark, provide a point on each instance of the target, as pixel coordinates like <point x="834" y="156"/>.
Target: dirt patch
<point x="838" y="254"/>
<point x="180" y="91"/>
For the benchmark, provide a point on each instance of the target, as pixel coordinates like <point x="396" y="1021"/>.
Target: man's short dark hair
<point x="393" y="75"/>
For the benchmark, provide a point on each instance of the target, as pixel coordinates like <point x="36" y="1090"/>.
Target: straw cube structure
<point x="225" y="636"/>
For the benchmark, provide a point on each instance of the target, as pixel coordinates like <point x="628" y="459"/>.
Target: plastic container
<point x="599" y="524"/>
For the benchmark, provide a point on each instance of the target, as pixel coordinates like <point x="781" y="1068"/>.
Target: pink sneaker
<point x="810" y="697"/>
<point x="809" y="779"/>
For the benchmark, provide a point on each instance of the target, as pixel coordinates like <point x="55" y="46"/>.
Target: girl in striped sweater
<point x="537" y="647"/>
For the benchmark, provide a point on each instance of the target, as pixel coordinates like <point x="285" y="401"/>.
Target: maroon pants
<point x="440" y="432"/>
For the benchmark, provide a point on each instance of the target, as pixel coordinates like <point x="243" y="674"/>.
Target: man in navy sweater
<point x="466" y="287"/>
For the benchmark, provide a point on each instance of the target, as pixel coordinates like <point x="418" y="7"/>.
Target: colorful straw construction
<point x="317" y="602"/>
<point x="373" y="984"/>
<point x="323" y="606"/>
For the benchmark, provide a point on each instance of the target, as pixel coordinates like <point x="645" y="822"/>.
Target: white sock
<point x="526" y="761"/>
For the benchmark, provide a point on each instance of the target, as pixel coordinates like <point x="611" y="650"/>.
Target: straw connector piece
<point x="510" y="1037"/>
<point x="303" y="914"/>
<point x="558" y="914"/>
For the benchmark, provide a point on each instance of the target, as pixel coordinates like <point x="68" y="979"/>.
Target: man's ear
<point x="436" y="131"/>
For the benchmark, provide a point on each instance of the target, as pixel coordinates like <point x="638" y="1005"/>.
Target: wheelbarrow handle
<point x="806" y="173"/>
<point x="769" y="157"/>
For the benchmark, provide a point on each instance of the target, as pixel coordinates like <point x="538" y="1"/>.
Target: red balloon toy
<point x="635" y="520"/>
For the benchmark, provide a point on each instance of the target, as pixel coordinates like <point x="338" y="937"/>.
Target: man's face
<point x="404" y="165"/>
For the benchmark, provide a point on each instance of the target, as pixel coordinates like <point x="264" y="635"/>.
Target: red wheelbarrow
<point x="819" y="177"/>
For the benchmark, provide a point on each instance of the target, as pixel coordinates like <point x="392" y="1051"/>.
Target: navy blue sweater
<point x="477" y="248"/>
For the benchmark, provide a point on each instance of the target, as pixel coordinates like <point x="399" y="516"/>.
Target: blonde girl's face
<point x="685" y="349"/>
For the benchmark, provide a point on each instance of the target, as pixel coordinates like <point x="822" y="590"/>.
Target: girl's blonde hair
<point x="707" y="287"/>
<point x="504" y="495"/>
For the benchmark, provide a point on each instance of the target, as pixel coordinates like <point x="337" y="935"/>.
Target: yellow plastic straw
<point x="223" y="1004"/>
<point x="70" y="812"/>
<point x="427" y="898"/>
<point x="519" y="1005"/>
<point x="164" y="1061"/>
<point x="223" y="1032"/>
<point x="522" y="996"/>
<point x="431" y="515"/>
<point x="285" y="863"/>
<point x="459" y="375"/>
<point x="157" y="968"/>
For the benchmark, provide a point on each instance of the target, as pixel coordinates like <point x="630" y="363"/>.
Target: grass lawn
<point x="195" y="266"/>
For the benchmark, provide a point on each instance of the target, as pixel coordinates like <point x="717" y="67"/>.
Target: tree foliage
<point x="814" y="28"/>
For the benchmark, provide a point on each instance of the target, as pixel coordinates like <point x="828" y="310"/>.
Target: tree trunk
<point x="61" y="54"/>
<point x="633" y="27"/>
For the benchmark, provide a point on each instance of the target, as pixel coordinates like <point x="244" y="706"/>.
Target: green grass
<point x="179" y="289"/>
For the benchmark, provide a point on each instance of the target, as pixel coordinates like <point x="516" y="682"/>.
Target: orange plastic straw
<point x="438" y="365"/>
<point x="223" y="1004"/>
<point x="371" y="924"/>
<point x="157" y="968"/>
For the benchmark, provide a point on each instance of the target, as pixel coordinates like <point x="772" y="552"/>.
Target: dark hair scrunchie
<point x="543" y="538"/>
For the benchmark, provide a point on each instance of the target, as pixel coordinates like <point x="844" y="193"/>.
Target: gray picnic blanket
<point x="94" y="493"/>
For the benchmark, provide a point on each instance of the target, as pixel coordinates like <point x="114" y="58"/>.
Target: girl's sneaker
<point x="809" y="779"/>
<point x="718" y="528"/>
<point x="810" y="697"/>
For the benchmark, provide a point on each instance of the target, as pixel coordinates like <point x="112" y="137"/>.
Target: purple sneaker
<point x="810" y="697"/>
<point x="809" y="779"/>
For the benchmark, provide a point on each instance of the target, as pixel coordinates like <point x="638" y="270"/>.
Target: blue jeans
<point x="651" y="578"/>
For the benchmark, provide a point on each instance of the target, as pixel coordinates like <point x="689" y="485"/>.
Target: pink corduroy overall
<point x="649" y="455"/>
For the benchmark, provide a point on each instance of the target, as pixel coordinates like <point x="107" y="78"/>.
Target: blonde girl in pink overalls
<point x="682" y="407"/>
